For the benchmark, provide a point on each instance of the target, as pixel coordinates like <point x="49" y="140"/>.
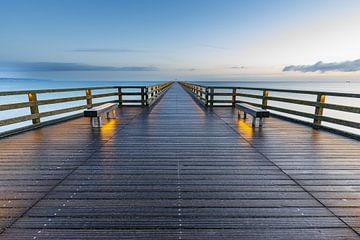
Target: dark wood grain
<point x="178" y="171"/>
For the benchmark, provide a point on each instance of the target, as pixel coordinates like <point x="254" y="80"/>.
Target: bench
<point x="95" y="113"/>
<point x="253" y="111"/>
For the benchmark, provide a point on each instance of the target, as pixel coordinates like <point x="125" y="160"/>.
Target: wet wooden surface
<point x="177" y="171"/>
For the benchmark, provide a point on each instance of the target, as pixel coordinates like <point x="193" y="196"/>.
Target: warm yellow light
<point x="31" y="97"/>
<point x="245" y="128"/>
<point x="322" y="98"/>
<point x="108" y="128"/>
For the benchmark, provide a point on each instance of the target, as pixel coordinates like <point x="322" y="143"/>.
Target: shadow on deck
<point x="177" y="171"/>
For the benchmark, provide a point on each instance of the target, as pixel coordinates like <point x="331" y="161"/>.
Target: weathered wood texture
<point x="176" y="171"/>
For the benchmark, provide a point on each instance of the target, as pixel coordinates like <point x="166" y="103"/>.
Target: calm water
<point x="329" y="86"/>
<point x="31" y="84"/>
<point x="332" y="86"/>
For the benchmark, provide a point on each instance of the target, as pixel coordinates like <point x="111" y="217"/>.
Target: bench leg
<point x="260" y="122"/>
<point x="254" y="122"/>
<point x="99" y="121"/>
<point x="96" y="122"/>
<point x="92" y="121"/>
<point x="111" y="114"/>
<point x="239" y="114"/>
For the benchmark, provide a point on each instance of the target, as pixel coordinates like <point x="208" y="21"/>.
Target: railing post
<point x="211" y="97"/>
<point x="146" y="97"/>
<point x="265" y="99"/>
<point x="88" y="98"/>
<point x="34" y="107"/>
<point x="120" y="97"/>
<point x="201" y="91"/>
<point x="142" y="97"/>
<point x="319" y="109"/>
<point x="206" y="97"/>
<point x="233" y="101"/>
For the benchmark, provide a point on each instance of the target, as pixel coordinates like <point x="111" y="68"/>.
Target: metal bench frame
<point x="253" y="111"/>
<point x="96" y="113"/>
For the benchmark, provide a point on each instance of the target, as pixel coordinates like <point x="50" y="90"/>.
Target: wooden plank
<point x="177" y="171"/>
<point x="11" y="106"/>
<point x="18" y="119"/>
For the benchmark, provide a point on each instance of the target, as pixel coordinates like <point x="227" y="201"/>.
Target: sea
<point x="344" y="86"/>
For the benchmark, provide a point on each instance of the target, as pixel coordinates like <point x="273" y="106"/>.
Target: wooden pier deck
<point x="178" y="171"/>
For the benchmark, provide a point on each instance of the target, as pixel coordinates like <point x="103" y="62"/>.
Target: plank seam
<point x="70" y="173"/>
<point x="291" y="178"/>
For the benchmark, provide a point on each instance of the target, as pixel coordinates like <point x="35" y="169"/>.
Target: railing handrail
<point x="87" y="96"/>
<point x="55" y="90"/>
<point x="206" y="95"/>
<point x="337" y="94"/>
<point x="329" y="93"/>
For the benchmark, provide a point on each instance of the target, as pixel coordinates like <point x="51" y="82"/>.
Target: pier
<point x="175" y="166"/>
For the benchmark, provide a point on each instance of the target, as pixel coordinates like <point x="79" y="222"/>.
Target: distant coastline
<point x="353" y="86"/>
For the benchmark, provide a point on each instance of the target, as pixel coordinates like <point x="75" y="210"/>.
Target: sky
<point x="180" y="39"/>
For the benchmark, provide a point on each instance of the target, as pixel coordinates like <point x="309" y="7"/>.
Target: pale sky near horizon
<point x="186" y="39"/>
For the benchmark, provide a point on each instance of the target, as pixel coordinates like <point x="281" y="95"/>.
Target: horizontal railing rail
<point x="211" y="96"/>
<point x="155" y="91"/>
<point x="84" y="98"/>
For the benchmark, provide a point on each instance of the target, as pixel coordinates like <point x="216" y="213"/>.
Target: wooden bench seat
<point x="96" y="113"/>
<point x="253" y="111"/>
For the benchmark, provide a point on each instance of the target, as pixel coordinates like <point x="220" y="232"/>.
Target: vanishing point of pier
<point x="178" y="170"/>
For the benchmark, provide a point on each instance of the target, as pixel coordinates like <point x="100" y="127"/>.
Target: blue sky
<point x="186" y="39"/>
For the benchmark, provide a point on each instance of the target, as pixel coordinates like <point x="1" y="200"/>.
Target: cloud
<point x="67" y="67"/>
<point x="104" y="50"/>
<point x="237" y="67"/>
<point x="347" y="66"/>
<point x="187" y="69"/>
<point x="213" y="46"/>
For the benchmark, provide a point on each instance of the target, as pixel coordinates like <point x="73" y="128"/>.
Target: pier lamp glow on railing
<point x="34" y="108"/>
<point x="319" y="109"/>
<point x="88" y="98"/>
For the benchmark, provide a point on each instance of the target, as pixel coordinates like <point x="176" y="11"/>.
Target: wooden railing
<point x="211" y="96"/>
<point x="155" y="91"/>
<point x="126" y="95"/>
